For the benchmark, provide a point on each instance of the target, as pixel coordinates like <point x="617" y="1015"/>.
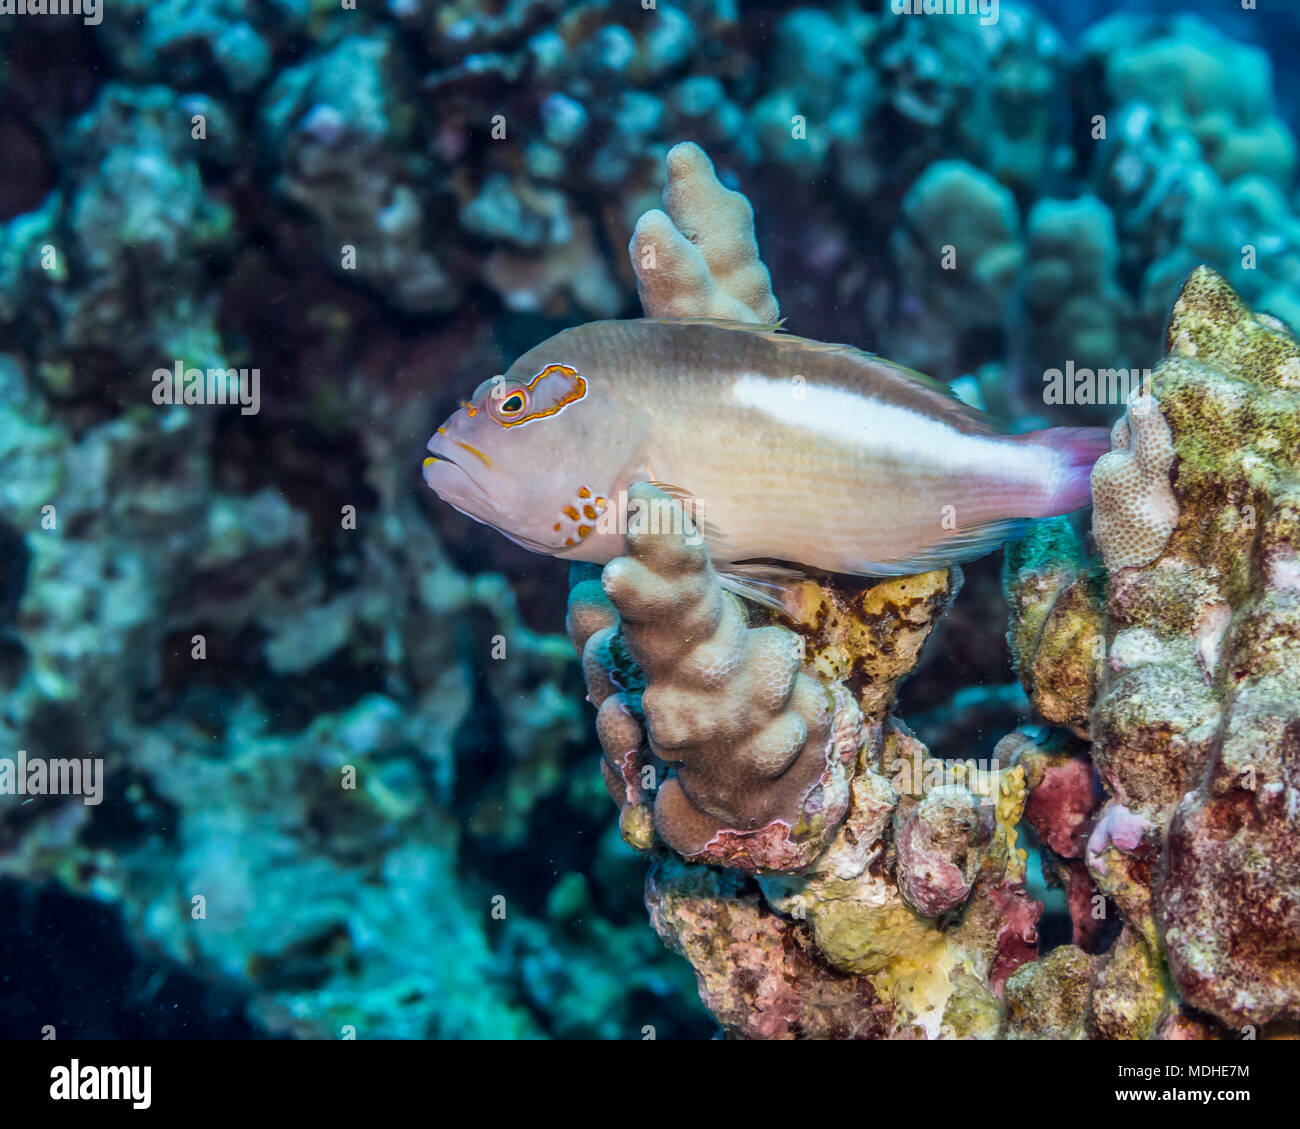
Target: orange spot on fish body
<point x="571" y="513"/>
<point x="556" y="527"/>
<point x="589" y="512"/>
<point x="583" y="492"/>
<point x="584" y="530"/>
<point x="568" y="542"/>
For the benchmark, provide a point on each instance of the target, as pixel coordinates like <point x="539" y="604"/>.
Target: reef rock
<point x="1194" y="729"/>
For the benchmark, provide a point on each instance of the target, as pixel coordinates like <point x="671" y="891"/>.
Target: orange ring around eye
<point x="509" y="406"/>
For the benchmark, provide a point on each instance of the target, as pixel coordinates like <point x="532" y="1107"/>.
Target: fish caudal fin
<point x="1077" y="448"/>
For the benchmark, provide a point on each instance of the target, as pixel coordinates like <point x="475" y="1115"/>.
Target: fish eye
<point x="508" y="404"/>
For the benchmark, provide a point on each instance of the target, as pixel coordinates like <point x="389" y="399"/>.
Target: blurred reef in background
<point x="378" y="209"/>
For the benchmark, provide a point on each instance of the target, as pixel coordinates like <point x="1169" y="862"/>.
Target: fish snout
<point x="464" y="478"/>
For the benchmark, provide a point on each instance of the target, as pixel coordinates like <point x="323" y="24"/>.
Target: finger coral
<point x="701" y="259"/>
<point x="760" y="749"/>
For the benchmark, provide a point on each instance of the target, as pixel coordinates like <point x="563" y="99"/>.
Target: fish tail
<point x="1077" y="449"/>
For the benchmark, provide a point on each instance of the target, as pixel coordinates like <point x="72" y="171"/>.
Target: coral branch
<point x="701" y="259"/>
<point x="761" y="751"/>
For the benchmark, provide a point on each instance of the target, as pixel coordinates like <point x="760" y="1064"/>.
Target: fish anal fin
<point x="965" y="545"/>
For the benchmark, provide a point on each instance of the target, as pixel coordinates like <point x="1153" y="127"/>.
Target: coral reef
<point x="376" y="206"/>
<point x="248" y="805"/>
<point x="342" y="124"/>
<point x="958" y="242"/>
<point x="747" y="744"/>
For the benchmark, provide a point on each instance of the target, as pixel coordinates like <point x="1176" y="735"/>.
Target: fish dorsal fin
<point x="710" y="532"/>
<point x="866" y="372"/>
<point x="756" y="327"/>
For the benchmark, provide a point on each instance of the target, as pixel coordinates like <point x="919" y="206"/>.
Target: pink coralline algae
<point x="1061" y="805"/>
<point x="1117" y="829"/>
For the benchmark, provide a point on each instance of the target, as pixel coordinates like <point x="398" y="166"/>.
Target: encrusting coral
<point x="888" y="890"/>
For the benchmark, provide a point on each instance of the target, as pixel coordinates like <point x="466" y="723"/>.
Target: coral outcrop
<point x="894" y="883"/>
<point x="1197" y="844"/>
<point x="882" y="863"/>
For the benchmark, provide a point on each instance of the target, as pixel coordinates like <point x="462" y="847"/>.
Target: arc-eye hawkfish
<point x="782" y="449"/>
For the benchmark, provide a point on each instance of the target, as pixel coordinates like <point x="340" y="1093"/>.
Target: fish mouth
<point x="441" y="457"/>
<point x="482" y="508"/>
<point x="438" y="456"/>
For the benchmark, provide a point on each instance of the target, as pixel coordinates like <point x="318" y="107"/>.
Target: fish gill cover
<point x="288" y="746"/>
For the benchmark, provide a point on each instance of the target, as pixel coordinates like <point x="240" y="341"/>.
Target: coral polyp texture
<point x="1134" y="509"/>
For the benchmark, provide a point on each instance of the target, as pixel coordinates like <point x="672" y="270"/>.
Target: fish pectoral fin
<point x="764" y="584"/>
<point x="965" y="545"/>
<point x="694" y="510"/>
